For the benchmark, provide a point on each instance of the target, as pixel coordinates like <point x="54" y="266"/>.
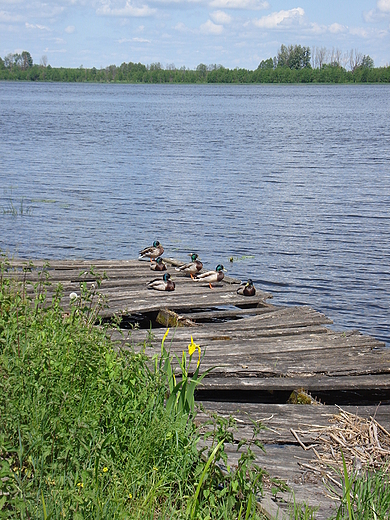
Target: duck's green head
<point x="219" y="268"/>
<point x="249" y="283"/>
<point x="159" y="260"/>
<point x="156" y="243"/>
<point x="194" y="256"/>
<point x="166" y="277"/>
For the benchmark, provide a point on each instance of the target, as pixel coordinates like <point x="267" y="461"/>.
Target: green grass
<point x="85" y="429"/>
<point x="366" y="495"/>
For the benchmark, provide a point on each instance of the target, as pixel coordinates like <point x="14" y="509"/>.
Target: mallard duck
<point x="162" y="284"/>
<point x="247" y="289"/>
<point x="153" y="251"/>
<point x="192" y="267"/>
<point x="158" y="264"/>
<point x="211" y="276"/>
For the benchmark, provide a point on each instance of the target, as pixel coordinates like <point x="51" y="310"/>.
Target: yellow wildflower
<point x="192" y="347"/>
<point x="130" y="496"/>
<point x="105" y="470"/>
<point x="80" y="485"/>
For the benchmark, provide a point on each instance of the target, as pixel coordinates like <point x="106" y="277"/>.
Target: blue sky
<point x="232" y="33"/>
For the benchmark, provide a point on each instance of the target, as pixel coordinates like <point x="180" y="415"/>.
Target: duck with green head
<point x="162" y="284"/>
<point x="152" y="252"/>
<point x="211" y="276"/>
<point x="158" y="264"/>
<point x="247" y="289"/>
<point x="192" y="267"/>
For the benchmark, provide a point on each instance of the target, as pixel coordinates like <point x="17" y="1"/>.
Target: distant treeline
<point x="293" y="64"/>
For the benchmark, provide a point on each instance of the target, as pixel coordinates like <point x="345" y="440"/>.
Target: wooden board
<point x="126" y="286"/>
<point x="279" y="350"/>
<point x="279" y="419"/>
<point x="284" y="457"/>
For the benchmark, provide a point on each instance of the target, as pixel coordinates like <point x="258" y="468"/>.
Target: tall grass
<point x="366" y="495"/>
<point x="85" y="429"/>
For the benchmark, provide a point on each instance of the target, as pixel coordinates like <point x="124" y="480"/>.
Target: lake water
<point x="293" y="182"/>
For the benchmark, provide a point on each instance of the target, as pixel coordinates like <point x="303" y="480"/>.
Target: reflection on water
<point x="294" y="178"/>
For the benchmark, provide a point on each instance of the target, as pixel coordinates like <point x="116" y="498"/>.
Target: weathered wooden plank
<point x="286" y="317"/>
<point x="282" y="462"/>
<point x="284" y="457"/>
<point x="306" y="362"/>
<point x="245" y="363"/>
<point x="310" y="338"/>
<point x="268" y="507"/>
<point x="278" y="419"/>
<point x="128" y="302"/>
<point x="118" y="270"/>
<point x="312" y="384"/>
<point x="265" y="337"/>
<point x="127" y="293"/>
<point x="226" y="314"/>
<point x="143" y="302"/>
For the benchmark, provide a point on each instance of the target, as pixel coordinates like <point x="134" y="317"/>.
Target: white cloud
<point x="51" y="51"/>
<point x="70" y="29"/>
<point x="359" y="31"/>
<point x="378" y="14"/>
<point x="6" y="17"/>
<point x="334" y="28"/>
<point x="315" y="28"/>
<point x="371" y="16"/>
<point x="211" y="28"/>
<point x="281" y="18"/>
<point x="337" y="28"/>
<point x="181" y="27"/>
<point x="127" y="10"/>
<point x="220" y="17"/>
<point x="37" y="26"/>
<point x="384" y="5"/>
<point x="254" y="5"/>
<point x="141" y="40"/>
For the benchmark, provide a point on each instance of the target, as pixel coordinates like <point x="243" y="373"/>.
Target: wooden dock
<point x="261" y="353"/>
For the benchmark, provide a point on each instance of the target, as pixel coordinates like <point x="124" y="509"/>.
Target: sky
<point x="185" y="33"/>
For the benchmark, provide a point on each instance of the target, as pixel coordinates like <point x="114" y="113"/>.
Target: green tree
<point x="294" y="57"/>
<point x="26" y="60"/>
<point x="266" y="64"/>
<point x="201" y="69"/>
<point x="367" y="62"/>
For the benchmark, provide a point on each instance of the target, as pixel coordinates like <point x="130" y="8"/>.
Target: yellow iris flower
<point x="192" y="347"/>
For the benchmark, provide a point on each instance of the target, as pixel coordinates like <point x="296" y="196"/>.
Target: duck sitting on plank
<point x="162" y="284"/>
<point x="211" y="276"/>
<point x="158" y="264"/>
<point x="247" y="289"/>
